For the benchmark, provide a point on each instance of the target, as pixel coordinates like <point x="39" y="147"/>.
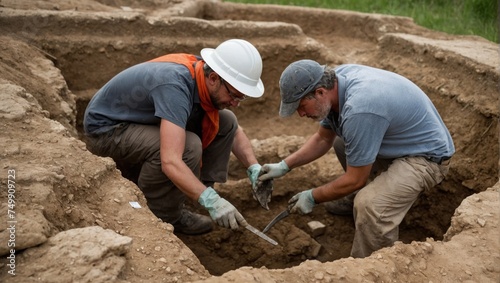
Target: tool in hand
<point x="280" y="216"/>
<point x="262" y="191"/>
<point x="260" y="234"/>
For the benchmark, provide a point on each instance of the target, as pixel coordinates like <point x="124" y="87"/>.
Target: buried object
<point x="262" y="192"/>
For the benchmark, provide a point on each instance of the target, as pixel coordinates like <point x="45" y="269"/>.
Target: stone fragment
<point x="316" y="228"/>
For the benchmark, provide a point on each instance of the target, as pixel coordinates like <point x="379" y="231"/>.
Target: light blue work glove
<point x="302" y="203"/>
<point x="253" y="174"/>
<point x="274" y="170"/>
<point x="221" y="211"/>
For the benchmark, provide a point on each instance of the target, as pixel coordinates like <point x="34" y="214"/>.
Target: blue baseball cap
<point x="297" y="80"/>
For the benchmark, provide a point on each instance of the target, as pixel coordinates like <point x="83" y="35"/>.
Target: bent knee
<point x="364" y="206"/>
<point x="228" y="123"/>
<point x="193" y="147"/>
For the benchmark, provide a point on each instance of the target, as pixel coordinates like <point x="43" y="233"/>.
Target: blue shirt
<point x="384" y="115"/>
<point x="145" y="94"/>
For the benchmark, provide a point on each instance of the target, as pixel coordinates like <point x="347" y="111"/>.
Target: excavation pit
<point x="89" y="48"/>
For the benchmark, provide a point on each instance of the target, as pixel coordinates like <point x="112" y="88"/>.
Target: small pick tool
<point x="280" y="216"/>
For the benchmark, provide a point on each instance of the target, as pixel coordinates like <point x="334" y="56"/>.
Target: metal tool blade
<point x="280" y="216"/>
<point x="260" y="234"/>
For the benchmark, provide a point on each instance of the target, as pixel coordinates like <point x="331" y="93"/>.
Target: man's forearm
<point x="242" y="148"/>
<point x="184" y="179"/>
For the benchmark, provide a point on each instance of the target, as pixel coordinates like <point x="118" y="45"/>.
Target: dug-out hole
<point x="223" y="250"/>
<point x="90" y="50"/>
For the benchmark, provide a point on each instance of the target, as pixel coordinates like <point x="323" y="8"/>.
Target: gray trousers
<point x="381" y="205"/>
<point x="136" y="150"/>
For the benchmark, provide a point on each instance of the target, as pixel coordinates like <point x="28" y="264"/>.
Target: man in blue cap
<point x="381" y="126"/>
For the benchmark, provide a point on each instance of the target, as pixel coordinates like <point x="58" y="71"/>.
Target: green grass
<point x="461" y="17"/>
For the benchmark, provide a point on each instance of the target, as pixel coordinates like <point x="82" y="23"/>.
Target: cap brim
<point x="252" y="91"/>
<point x="287" y="109"/>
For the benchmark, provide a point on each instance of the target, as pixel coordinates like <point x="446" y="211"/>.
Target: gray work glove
<point x="274" y="170"/>
<point x="253" y="174"/>
<point x="221" y="211"/>
<point x="302" y="203"/>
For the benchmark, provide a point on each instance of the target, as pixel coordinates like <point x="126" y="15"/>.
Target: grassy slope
<point x="465" y="17"/>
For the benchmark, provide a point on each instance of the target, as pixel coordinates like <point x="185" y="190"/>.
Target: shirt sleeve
<point x="172" y="102"/>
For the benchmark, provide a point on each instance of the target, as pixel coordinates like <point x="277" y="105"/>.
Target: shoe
<point x="192" y="223"/>
<point x="343" y="206"/>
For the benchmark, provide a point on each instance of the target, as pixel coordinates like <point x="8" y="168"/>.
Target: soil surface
<point x="66" y="214"/>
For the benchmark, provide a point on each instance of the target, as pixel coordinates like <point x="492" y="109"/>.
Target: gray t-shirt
<point x="382" y="114"/>
<point x="145" y="94"/>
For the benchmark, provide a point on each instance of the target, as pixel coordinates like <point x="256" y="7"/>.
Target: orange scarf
<point x="210" y="124"/>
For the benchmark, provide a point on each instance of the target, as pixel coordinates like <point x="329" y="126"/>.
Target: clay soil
<point x="74" y="222"/>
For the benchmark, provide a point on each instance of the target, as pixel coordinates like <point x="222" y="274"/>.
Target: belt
<point x="439" y="160"/>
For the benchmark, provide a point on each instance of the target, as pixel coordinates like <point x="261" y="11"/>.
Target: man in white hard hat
<point x="381" y="126"/>
<point x="166" y="125"/>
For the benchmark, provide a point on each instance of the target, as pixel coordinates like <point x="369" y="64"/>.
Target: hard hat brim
<point x="228" y="75"/>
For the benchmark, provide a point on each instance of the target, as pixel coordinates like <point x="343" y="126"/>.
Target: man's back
<point x="384" y="114"/>
<point x="143" y="94"/>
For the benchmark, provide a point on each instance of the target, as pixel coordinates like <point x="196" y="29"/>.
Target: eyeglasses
<point x="231" y="94"/>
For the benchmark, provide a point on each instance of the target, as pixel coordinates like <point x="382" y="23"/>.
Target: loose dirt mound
<point x="55" y="54"/>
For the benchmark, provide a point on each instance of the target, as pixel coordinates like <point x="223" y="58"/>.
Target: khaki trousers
<point x="136" y="150"/>
<point x="381" y="205"/>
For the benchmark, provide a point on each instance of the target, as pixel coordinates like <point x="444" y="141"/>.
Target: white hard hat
<point x="239" y="63"/>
